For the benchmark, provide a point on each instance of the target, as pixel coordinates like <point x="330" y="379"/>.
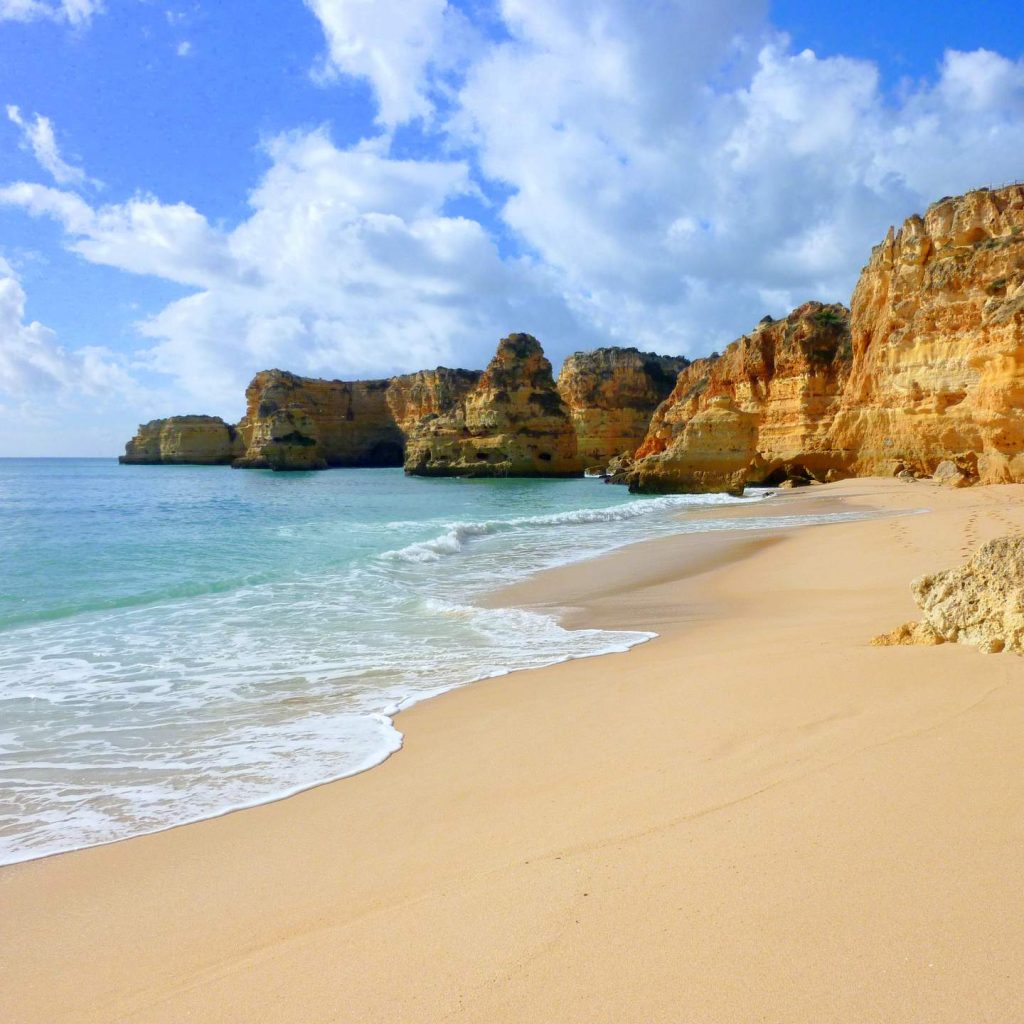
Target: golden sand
<point x="755" y="817"/>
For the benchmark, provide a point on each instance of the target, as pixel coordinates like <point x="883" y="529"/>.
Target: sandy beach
<point x="755" y="817"/>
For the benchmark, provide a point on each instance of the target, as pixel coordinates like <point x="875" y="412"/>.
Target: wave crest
<point x="457" y="535"/>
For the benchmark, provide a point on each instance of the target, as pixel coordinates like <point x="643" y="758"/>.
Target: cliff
<point x="759" y="412"/>
<point x="611" y="394"/>
<point x="415" y="397"/>
<point x="196" y="440"/>
<point x="511" y="422"/>
<point x="938" y="343"/>
<point x="296" y="422"/>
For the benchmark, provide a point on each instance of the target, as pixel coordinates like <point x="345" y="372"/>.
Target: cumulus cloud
<point x="38" y="135"/>
<point x="677" y="169"/>
<point x="665" y="174"/>
<point x="33" y="363"/>
<point x="348" y="265"/>
<point x="71" y="12"/>
<point x="402" y="53"/>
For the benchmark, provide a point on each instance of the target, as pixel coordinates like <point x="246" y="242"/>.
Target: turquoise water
<point x="178" y="641"/>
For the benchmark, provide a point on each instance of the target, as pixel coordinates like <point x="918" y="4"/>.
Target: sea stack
<point x="296" y="423"/>
<point x="183" y="440"/>
<point x="611" y="394"/>
<point x="513" y="422"/>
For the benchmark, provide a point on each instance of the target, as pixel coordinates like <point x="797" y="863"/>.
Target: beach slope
<point x="756" y="817"/>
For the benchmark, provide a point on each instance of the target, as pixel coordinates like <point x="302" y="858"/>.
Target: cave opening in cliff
<point x="385" y="454"/>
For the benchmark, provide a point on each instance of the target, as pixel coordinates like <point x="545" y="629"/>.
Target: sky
<point x="192" y="192"/>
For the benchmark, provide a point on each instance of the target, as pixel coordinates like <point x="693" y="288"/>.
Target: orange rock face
<point x="194" y="440"/>
<point x="938" y="341"/>
<point x="303" y="423"/>
<point x="512" y="422"/>
<point x="611" y="394"/>
<point x="761" y="411"/>
<point x="415" y="397"/>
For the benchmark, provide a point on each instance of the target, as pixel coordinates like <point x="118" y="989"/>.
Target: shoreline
<point x="390" y="714"/>
<point x="701" y="828"/>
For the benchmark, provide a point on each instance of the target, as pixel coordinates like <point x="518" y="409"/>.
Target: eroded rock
<point x="758" y="413"/>
<point x="611" y="394"/>
<point x="183" y="440"/>
<point x="511" y="422"/>
<point x="979" y="603"/>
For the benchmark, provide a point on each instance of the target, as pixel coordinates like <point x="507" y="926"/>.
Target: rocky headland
<point x="759" y="412"/>
<point x="512" y="422"/>
<point x="184" y="440"/>
<point x="922" y="376"/>
<point x="611" y="394"/>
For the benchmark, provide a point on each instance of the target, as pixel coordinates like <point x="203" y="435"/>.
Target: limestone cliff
<point x="512" y="422"/>
<point x="760" y="412"/>
<point x="980" y="603"/>
<point x="611" y="394"/>
<point x="938" y="342"/>
<point x="296" y="422"/>
<point x="415" y="397"/>
<point x="197" y="440"/>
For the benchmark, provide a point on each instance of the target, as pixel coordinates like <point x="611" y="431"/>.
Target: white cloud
<point x="37" y="135"/>
<point x="347" y="266"/>
<point x="184" y="48"/>
<point x="673" y="171"/>
<point x="33" y="363"/>
<point x="73" y="12"/>
<point x="398" y="50"/>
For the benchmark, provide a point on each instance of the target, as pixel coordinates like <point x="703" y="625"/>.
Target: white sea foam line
<point x="384" y="717"/>
<point x="457" y="534"/>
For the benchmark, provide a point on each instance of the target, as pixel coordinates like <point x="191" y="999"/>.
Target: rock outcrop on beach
<point x="296" y="422"/>
<point x="183" y="440"/>
<point x="938" y="344"/>
<point x="512" y="422"/>
<point x="980" y="603"/>
<point x="759" y="412"/>
<point x="611" y="394"/>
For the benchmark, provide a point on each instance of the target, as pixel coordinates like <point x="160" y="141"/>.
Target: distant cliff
<point x="924" y="375"/>
<point x="418" y="397"/>
<point x="195" y="440"/>
<point x="760" y="412"/>
<point x="296" y="422"/>
<point x="611" y="394"/>
<point x="511" y="422"/>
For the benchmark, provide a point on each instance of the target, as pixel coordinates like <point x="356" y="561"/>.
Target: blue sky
<point x="192" y="192"/>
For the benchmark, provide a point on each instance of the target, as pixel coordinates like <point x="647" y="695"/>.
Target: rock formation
<point x="415" y="397"/>
<point x="760" y="412"/>
<point x="924" y="377"/>
<point x="938" y="343"/>
<point x="611" y="394"/>
<point x="180" y="440"/>
<point x="512" y="422"/>
<point x="303" y="423"/>
<point x="980" y="603"/>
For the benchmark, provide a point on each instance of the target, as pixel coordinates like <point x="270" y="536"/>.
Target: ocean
<point x="180" y="641"/>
